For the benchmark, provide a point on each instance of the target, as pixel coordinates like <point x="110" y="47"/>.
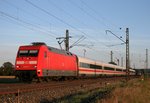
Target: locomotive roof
<point x="38" y="43"/>
<point x="59" y="51"/>
<point x="52" y="49"/>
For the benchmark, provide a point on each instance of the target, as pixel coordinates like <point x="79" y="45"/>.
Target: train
<point x="41" y="61"/>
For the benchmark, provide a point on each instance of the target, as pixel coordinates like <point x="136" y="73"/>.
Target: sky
<point x="25" y="21"/>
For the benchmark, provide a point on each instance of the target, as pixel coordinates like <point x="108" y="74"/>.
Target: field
<point x="135" y="91"/>
<point x="7" y="77"/>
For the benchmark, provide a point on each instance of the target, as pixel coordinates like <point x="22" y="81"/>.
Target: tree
<point x="1" y="70"/>
<point x="7" y="69"/>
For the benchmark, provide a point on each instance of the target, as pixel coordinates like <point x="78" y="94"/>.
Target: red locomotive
<point x="40" y="61"/>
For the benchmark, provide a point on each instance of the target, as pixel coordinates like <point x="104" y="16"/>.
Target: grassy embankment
<point x="90" y="96"/>
<point x="85" y="97"/>
<point x="135" y="91"/>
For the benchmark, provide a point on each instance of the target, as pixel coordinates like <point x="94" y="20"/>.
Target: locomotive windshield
<point x="28" y="53"/>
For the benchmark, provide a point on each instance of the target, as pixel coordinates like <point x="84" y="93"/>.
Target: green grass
<point x="87" y="97"/>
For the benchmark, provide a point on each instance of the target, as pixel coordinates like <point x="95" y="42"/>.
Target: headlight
<point x="39" y="70"/>
<point x="17" y="66"/>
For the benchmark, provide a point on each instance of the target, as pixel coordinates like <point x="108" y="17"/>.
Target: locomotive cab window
<point x="23" y="53"/>
<point x="33" y="53"/>
<point x="28" y="53"/>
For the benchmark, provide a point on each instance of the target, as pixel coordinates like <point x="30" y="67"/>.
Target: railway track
<point x="53" y="90"/>
<point x="24" y="87"/>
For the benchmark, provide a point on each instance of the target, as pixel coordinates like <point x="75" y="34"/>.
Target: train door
<point x="46" y="60"/>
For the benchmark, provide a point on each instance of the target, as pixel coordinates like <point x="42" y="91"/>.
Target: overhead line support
<point x="65" y="40"/>
<point x="127" y="52"/>
<point x="127" y="49"/>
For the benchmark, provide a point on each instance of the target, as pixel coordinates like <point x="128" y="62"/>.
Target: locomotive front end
<point x="26" y="62"/>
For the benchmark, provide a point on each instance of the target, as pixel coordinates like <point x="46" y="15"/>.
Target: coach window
<point x="45" y="54"/>
<point x="124" y="70"/>
<point x="98" y="67"/>
<point x="93" y="66"/>
<point x="108" y="68"/>
<point x="118" y="69"/>
<point x="84" y="65"/>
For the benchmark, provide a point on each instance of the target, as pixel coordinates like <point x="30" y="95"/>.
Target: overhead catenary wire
<point x="90" y="15"/>
<point x="10" y="20"/>
<point x="115" y="35"/>
<point x="29" y="23"/>
<point x="68" y="14"/>
<point x="19" y="19"/>
<point x="22" y="10"/>
<point x="50" y="14"/>
<point x="74" y="18"/>
<point x="24" y="22"/>
<point x="78" y="41"/>
<point x="32" y="14"/>
<point x="115" y="44"/>
<point x="55" y="34"/>
<point x="59" y="19"/>
<point x="102" y="17"/>
<point x="61" y="9"/>
<point x="87" y="13"/>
